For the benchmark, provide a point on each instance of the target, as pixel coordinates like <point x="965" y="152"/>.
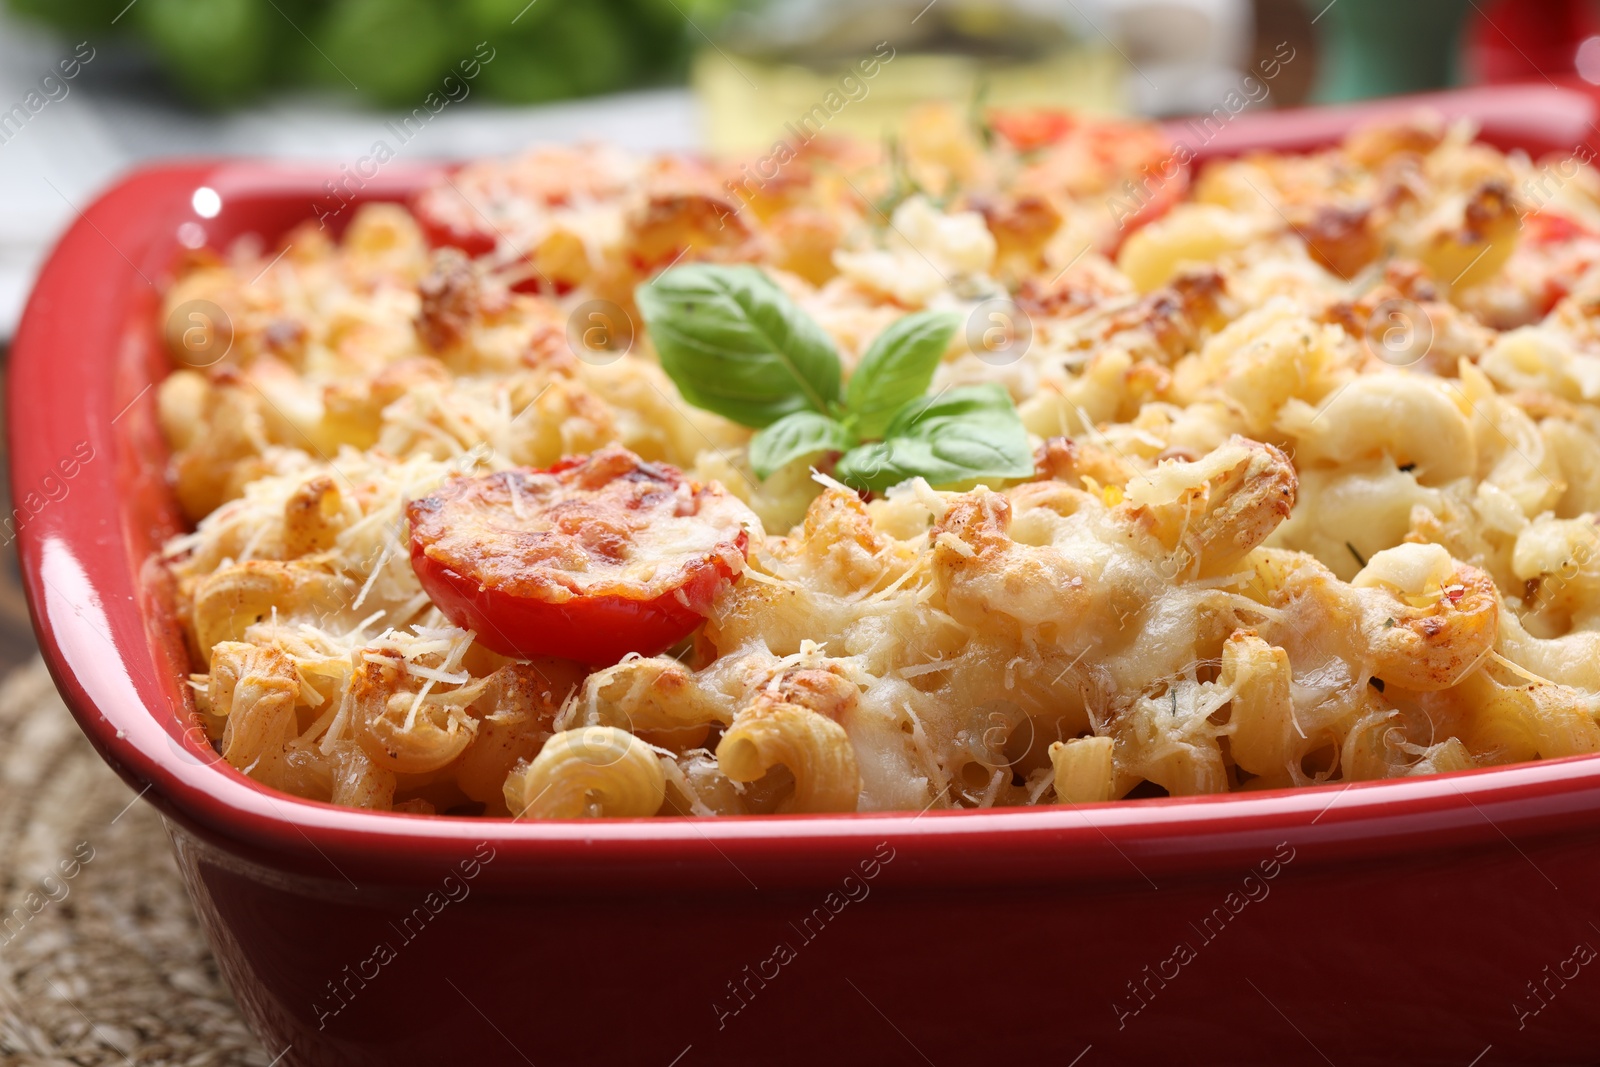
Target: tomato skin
<point x="443" y="232"/>
<point x="1154" y="172"/>
<point x="596" y="630"/>
<point x="1544" y="228"/>
<point x="595" y="557"/>
<point x="476" y="240"/>
<point x="1167" y="195"/>
<point x="1030" y="129"/>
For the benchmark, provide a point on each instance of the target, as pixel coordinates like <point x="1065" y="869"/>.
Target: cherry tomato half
<point x="1548" y="228"/>
<point x="599" y="556"/>
<point x="448" y="219"/>
<point x="1135" y="165"/>
<point x="1030" y="129"/>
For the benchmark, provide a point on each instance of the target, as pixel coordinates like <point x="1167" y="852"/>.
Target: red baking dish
<point x="1437" y="920"/>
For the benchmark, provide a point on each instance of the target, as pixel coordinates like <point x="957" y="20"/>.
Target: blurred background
<point x="89" y="88"/>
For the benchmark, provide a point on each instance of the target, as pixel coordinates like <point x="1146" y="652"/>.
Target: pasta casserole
<point x="1001" y="464"/>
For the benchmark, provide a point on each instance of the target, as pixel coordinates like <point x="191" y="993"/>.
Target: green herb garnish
<point x="978" y="115"/>
<point x="736" y="345"/>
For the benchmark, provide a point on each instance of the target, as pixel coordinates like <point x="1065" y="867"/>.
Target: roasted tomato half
<point x="599" y="556"/>
<point x="1031" y="129"/>
<point x="1548" y="228"/>
<point x="448" y="219"/>
<point x="1133" y="166"/>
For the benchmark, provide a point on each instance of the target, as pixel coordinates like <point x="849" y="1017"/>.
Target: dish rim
<point x="78" y="368"/>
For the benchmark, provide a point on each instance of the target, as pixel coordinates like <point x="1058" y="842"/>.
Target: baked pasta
<point x="1284" y="476"/>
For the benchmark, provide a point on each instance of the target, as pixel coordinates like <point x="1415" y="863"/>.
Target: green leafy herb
<point x="978" y="114"/>
<point x="805" y="433"/>
<point x="1356" y="554"/>
<point x="897" y="367"/>
<point x="737" y="346"/>
<point x="960" y="401"/>
<point x="903" y="186"/>
<point x="967" y="436"/>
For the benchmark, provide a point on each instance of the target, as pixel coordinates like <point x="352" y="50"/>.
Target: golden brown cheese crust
<point x="609" y="524"/>
<point x="1315" y="493"/>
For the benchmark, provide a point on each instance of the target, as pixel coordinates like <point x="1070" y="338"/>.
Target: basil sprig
<point x="736" y="345"/>
<point x="964" y="436"/>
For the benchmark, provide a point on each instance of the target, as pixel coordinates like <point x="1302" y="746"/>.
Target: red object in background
<point x="1416" y="921"/>
<point x="1524" y="40"/>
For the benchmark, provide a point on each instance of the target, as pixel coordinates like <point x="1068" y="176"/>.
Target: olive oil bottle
<point x="854" y="67"/>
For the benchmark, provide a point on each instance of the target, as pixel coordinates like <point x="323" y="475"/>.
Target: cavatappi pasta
<point x="1317" y="471"/>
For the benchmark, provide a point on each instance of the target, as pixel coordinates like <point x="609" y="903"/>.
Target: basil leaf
<point x="957" y="440"/>
<point x="897" y="367"/>
<point x="960" y="400"/>
<point x="735" y="345"/>
<point x="804" y="433"/>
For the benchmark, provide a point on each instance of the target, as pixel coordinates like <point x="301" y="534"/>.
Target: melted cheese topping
<point x="1316" y="493"/>
<point x="607" y="526"/>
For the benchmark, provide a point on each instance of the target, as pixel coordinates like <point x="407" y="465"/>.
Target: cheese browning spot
<point x="596" y="557"/>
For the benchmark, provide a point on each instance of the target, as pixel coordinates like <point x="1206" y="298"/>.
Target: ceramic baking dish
<point x="1438" y="920"/>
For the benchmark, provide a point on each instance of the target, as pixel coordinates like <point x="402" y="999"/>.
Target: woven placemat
<point x="101" y="958"/>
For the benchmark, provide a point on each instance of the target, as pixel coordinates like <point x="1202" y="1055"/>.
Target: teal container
<point x="1384" y="47"/>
